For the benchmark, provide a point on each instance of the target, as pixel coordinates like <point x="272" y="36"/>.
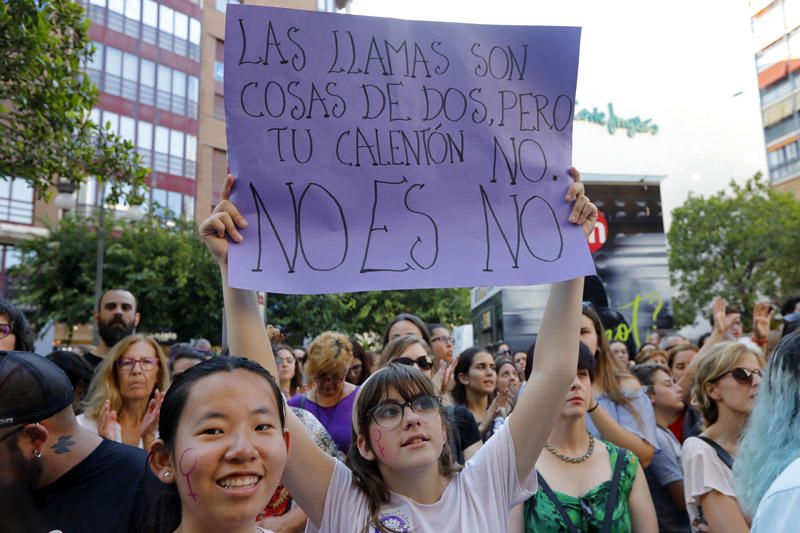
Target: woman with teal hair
<point x="767" y="470"/>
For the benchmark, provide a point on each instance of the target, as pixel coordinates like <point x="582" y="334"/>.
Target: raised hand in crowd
<point x="336" y="497"/>
<point x="763" y="312"/>
<point x="149" y="423"/>
<point x="107" y="422"/>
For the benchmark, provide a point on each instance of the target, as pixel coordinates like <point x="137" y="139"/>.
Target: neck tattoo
<point x="63" y="444"/>
<point x="573" y="460"/>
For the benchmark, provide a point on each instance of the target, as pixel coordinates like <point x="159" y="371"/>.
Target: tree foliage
<point x="172" y="274"/>
<point x="45" y="99"/>
<point x="742" y="244"/>
<point x="364" y="312"/>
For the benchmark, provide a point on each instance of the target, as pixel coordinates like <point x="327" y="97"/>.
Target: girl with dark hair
<point x="399" y="476"/>
<point x="290" y="376"/>
<point x="767" y="471"/>
<point x="15" y="331"/>
<point x="411" y="350"/>
<point x="360" y="366"/>
<point x="474" y="387"/>
<point x="405" y="324"/>
<point x="623" y="413"/>
<point x="221" y="449"/>
<point x="586" y="484"/>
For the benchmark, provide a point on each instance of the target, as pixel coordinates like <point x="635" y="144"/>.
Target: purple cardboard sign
<point x="376" y="153"/>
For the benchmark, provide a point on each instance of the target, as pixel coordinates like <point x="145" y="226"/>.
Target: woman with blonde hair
<point x="126" y="392"/>
<point x="330" y="397"/>
<point x="727" y="377"/>
<point x="621" y="412"/>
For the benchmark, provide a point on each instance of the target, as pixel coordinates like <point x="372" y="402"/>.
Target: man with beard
<point x="55" y="474"/>
<point x="117" y="317"/>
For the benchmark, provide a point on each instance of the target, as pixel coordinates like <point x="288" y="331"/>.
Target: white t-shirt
<point x="479" y="498"/>
<point x="779" y="509"/>
<point x="703" y="471"/>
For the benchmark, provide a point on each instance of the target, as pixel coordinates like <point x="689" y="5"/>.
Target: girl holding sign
<point x="399" y="475"/>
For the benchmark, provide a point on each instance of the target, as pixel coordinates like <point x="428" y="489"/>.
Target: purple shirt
<point x="337" y="419"/>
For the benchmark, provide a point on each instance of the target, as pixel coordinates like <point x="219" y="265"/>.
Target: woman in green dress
<point x="585" y="484"/>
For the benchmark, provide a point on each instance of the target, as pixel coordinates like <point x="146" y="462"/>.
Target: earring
<point x="166" y="474"/>
<point x="37" y="454"/>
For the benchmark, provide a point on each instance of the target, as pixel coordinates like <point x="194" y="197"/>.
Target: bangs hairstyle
<point x="770" y="441"/>
<point x="409" y="383"/>
<point x="396" y="347"/>
<point x="712" y="365"/>
<point x="164" y="504"/>
<point x="330" y="353"/>
<point x="105" y="385"/>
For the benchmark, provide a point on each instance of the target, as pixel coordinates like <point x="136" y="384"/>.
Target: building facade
<point x="776" y="39"/>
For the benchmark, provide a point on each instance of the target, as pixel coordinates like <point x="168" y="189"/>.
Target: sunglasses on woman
<point x="743" y="376"/>
<point x="423" y="363"/>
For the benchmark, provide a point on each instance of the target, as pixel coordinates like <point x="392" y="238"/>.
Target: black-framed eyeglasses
<point x="330" y="379"/>
<point x="444" y="338"/>
<point x="743" y="376"/>
<point x="423" y="363"/>
<point x="5" y="330"/>
<point x="12" y="433"/>
<point x="389" y="414"/>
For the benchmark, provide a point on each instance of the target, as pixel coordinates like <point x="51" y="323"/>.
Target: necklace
<point x="573" y="460"/>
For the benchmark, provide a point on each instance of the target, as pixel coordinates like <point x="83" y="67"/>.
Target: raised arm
<point x="556" y="355"/>
<point x="308" y="469"/>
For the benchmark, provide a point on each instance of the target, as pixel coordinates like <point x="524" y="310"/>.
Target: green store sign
<point x="614" y="122"/>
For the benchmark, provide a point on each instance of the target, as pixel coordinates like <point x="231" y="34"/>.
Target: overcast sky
<point x="688" y="65"/>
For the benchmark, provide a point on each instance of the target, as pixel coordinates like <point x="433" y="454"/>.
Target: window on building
<point x="127" y="128"/>
<point x="133" y="9"/>
<point x="790" y="151"/>
<point x="113" y="61"/>
<point x="16" y="201"/>
<point x="194" y="31"/>
<point x="166" y="19"/>
<point x="118" y="6"/>
<point x="223" y="4"/>
<point x="181" y="25"/>
<point x="111" y="120"/>
<point x="96" y="61"/>
<point x="150" y="13"/>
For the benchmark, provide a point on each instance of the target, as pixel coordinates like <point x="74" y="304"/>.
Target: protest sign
<point x="376" y="153"/>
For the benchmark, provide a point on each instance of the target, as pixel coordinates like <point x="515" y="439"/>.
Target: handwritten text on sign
<point x="381" y="154"/>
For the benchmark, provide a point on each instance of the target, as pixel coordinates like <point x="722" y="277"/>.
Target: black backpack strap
<point x="613" y="495"/>
<point x="724" y="456"/>
<point x="556" y="502"/>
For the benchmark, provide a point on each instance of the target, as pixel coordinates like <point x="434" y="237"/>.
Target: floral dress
<point x="588" y="512"/>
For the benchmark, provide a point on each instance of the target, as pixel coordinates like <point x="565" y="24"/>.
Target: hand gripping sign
<point x="374" y="153"/>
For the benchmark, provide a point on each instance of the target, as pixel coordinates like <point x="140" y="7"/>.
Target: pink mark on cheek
<point x="186" y="472"/>
<point x="378" y="436"/>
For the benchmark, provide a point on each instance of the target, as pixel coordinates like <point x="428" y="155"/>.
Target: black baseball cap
<point x="32" y="388"/>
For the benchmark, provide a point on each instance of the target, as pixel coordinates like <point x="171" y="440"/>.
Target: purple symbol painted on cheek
<point x="378" y="436"/>
<point x="186" y="472"/>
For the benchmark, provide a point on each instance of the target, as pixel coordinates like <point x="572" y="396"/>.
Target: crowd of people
<point x="572" y="433"/>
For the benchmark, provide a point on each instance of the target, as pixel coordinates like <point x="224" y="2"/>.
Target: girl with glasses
<point x="726" y="380"/>
<point x="401" y="477"/>
<point x="125" y="395"/>
<point x="329" y="397"/>
<point x="410" y="350"/>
